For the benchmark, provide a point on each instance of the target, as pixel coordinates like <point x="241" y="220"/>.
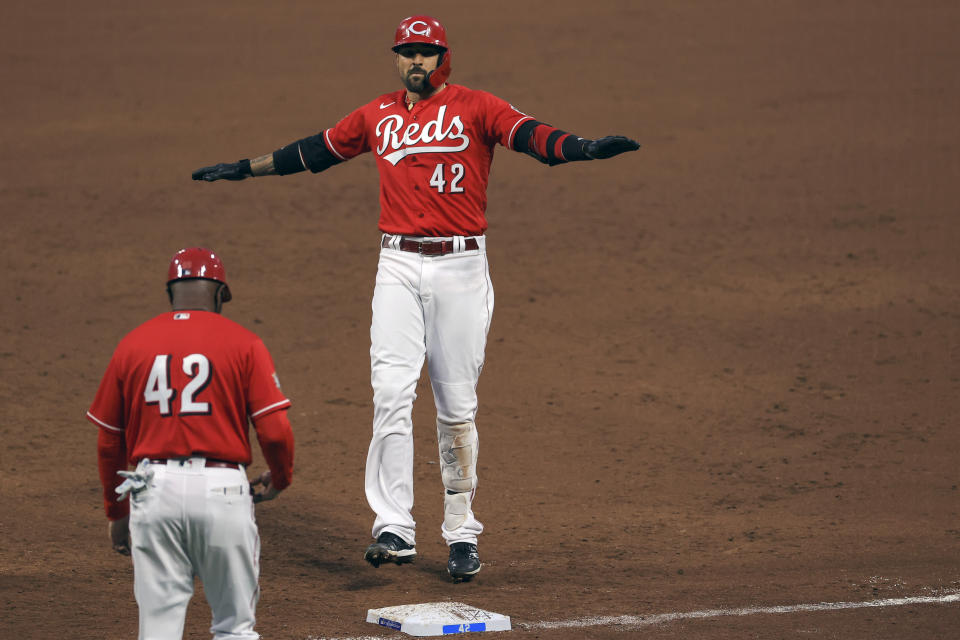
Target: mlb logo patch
<point x="181" y="316"/>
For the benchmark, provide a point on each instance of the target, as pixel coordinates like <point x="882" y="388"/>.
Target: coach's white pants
<point x="434" y="307"/>
<point x="191" y="521"/>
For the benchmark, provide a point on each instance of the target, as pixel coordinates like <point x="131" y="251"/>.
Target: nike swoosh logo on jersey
<point x="384" y="106"/>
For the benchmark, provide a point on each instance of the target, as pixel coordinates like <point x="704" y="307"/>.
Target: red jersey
<point x="185" y="384"/>
<point x="434" y="159"/>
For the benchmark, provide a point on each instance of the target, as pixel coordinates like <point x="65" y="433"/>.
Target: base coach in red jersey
<point x="175" y="404"/>
<point x="433" y="142"/>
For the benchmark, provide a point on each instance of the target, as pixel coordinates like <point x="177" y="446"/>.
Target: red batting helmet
<point x="198" y="262"/>
<point x="426" y="30"/>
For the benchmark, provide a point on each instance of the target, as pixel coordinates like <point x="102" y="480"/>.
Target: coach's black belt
<point x="431" y="247"/>
<point x="210" y="462"/>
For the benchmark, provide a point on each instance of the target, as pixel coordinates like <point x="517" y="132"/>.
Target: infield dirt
<point x="723" y="371"/>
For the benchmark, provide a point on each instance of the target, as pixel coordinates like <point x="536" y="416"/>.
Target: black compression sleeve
<point x="308" y="153"/>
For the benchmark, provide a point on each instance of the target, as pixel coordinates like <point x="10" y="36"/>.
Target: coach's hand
<point x="224" y="171"/>
<point x="120" y="535"/>
<point x="609" y="146"/>
<point x="268" y="493"/>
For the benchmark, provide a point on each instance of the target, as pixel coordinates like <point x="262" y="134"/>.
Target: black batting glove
<point x="609" y="146"/>
<point x="224" y="171"/>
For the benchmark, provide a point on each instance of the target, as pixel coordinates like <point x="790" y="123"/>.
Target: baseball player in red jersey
<point x="175" y="403"/>
<point x="433" y="142"/>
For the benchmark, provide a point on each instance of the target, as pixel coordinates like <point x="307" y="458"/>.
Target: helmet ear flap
<point x="438" y="76"/>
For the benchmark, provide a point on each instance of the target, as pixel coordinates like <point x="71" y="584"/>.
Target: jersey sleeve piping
<point x="514" y="130"/>
<point x="98" y="421"/>
<point x="326" y="137"/>
<point x="272" y="407"/>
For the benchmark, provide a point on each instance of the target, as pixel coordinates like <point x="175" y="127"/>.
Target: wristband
<point x="575" y="148"/>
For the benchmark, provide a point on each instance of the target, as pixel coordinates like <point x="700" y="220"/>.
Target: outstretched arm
<point x="553" y="146"/>
<point x="308" y="153"/>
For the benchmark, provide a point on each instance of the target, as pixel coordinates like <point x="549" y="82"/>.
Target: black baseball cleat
<point x="390" y="547"/>
<point x="464" y="562"/>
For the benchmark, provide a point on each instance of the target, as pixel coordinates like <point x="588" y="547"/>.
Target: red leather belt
<point x="431" y="247"/>
<point x="210" y="462"/>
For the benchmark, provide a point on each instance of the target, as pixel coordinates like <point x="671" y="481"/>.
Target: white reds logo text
<point x="413" y="139"/>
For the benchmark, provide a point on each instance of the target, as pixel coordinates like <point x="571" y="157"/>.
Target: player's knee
<point x="456" y="403"/>
<point x="394" y="387"/>
<point x="459" y="445"/>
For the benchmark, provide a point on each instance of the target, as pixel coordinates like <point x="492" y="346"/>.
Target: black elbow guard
<point x="522" y="139"/>
<point x="307" y="153"/>
<point x="287" y="160"/>
<point x="315" y="154"/>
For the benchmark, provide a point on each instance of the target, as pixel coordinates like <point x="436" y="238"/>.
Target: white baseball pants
<point x="194" y="520"/>
<point x="438" y="308"/>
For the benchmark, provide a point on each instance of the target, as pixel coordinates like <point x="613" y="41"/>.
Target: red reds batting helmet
<point x="426" y="30"/>
<point x="198" y="262"/>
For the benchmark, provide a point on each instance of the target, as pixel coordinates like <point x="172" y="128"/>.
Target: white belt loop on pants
<point x="394" y="241"/>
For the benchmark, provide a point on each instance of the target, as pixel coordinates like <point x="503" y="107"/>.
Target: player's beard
<point x="416" y="83"/>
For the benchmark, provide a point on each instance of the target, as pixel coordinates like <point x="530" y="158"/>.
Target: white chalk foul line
<point x="660" y="618"/>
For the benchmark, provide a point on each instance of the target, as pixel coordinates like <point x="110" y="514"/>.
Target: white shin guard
<point x="458" y="455"/>
<point x="459" y="523"/>
<point x="456" y="510"/>
<point x="458" y="462"/>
